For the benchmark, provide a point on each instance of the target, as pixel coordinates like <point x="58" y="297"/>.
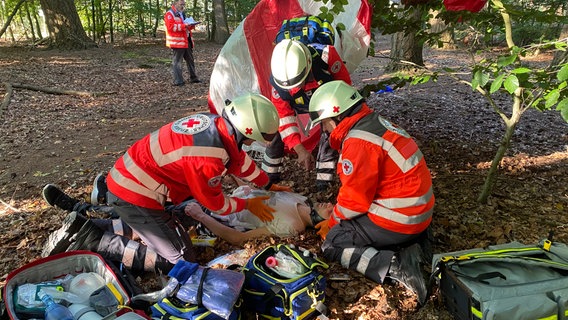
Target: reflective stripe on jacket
<point x="183" y="159"/>
<point x="176" y="31"/>
<point x="326" y="66"/>
<point x="383" y="174"/>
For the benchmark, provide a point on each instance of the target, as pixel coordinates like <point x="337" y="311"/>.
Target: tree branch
<point x="61" y="91"/>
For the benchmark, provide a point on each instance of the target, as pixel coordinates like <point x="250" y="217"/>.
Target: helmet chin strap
<point x="352" y="110"/>
<point x="233" y="131"/>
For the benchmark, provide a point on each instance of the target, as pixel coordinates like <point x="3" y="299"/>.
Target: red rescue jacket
<point x="383" y="175"/>
<point x="185" y="158"/>
<point x="176" y="31"/>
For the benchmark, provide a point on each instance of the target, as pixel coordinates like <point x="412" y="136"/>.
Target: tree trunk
<point x="446" y="32"/>
<point x="11" y="16"/>
<point x="507" y="21"/>
<point x="111" y="22"/>
<point x="561" y="57"/>
<point x="221" y="26"/>
<point x="36" y="20"/>
<point x="157" y="18"/>
<point x="405" y="48"/>
<point x="30" y="21"/>
<point x="64" y="26"/>
<point x="510" y="125"/>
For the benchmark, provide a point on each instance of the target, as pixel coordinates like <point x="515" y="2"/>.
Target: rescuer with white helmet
<point x="297" y="70"/>
<point x="185" y="159"/>
<point x="385" y="200"/>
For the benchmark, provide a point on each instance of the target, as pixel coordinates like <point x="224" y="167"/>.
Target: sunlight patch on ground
<point x="540" y="161"/>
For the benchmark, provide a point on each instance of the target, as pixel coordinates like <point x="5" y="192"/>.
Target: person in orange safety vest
<point x="385" y="202"/>
<point x="179" y="39"/>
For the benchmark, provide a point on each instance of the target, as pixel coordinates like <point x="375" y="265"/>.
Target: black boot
<point x="55" y="197"/>
<point x="88" y="238"/>
<point x="60" y="239"/>
<point x="406" y="269"/>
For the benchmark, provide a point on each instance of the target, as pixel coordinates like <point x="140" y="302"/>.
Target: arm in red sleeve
<point x="289" y="130"/>
<point x="359" y="174"/>
<point x="250" y="172"/>
<point x="335" y="64"/>
<point x="204" y="177"/>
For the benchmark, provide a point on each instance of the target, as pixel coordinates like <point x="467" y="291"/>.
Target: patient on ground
<point x="293" y="215"/>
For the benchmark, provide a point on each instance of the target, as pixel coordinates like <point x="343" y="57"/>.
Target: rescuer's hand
<point x="323" y="228"/>
<point x="259" y="208"/>
<point x="277" y="187"/>
<point x="305" y="158"/>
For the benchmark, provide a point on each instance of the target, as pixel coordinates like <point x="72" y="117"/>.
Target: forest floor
<point x="67" y="139"/>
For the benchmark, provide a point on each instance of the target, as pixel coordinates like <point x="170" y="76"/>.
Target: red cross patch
<point x="192" y="124"/>
<point x="336" y="109"/>
<point x="248" y="131"/>
<point x="347" y="167"/>
<point x="215" y="181"/>
<point x="275" y="94"/>
<point x="336" y="67"/>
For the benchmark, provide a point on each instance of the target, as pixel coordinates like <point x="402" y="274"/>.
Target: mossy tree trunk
<point x="64" y="25"/>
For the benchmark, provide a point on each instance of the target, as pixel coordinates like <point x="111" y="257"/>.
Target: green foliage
<point x="541" y="88"/>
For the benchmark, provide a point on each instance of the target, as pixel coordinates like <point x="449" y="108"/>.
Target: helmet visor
<point x="314" y="115"/>
<point x="269" y="136"/>
<point x="293" y="82"/>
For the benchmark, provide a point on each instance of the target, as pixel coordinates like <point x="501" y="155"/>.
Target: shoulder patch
<point x="347" y="167"/>
<point x="192" y="124"/>
<point x="275" y="94"/>
<point x="336" y="67"/>
<point x="215" y="181"/>
<point x="391" y="127"/>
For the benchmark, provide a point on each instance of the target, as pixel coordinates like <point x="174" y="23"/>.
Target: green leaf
<point x="563" y="108"/>
<point x="506" y="60"/>
<point x="484" y="79"/>
<point x="562" y="75"/>
<point x="475" y="79"/>
<point x="496" y="85"/>
<point x="521" y="70"/>
<point x="551" y="98"/>
<point x="511" y="83"/>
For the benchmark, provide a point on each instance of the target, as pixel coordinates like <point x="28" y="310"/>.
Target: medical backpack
<point x="272" y="296"/>
<point x="308" y="29"/>
<point x="507" y="281"/>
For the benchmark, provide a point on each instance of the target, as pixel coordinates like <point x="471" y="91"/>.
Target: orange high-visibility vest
<point x="176" y="31"/>
<point x="383" y="175"/>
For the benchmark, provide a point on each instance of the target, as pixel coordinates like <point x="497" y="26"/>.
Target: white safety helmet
<point x="254" y="116"/>
<point x="290" y="64"/>
<point x="332" y="99"/>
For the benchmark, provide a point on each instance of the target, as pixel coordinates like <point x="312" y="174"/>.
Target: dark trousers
<point x="326" y="161"/>
<point x="179" y="55"/>
<point x="160" y="230"/>
<point x="361" y="245"/>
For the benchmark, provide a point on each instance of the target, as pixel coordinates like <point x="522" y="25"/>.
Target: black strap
<point x="199" y="296"/>
<point x="483" y="277"/>
<point x="268" y="300"/>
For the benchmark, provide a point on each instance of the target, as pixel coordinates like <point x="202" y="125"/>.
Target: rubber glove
<point x="259" y="208"/>
<point x="323" y="228"/>
<point x="277" y="187"/>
